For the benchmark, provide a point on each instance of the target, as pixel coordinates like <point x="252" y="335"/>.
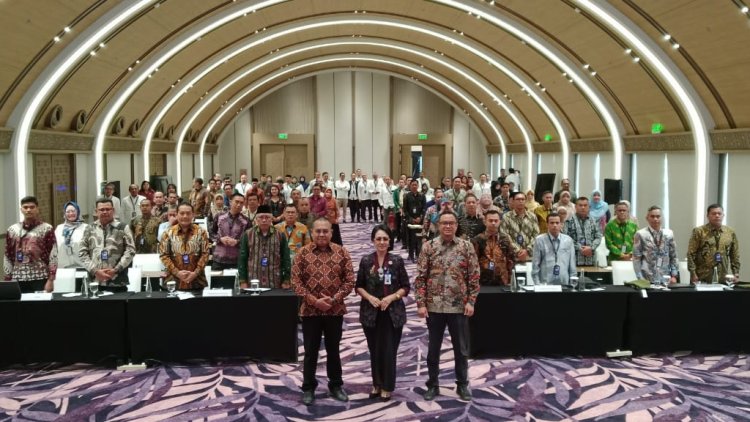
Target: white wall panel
<point x="681" y="198"/>
<point x="325" y="131"/>
<point x="416" y="110"/>
<point x="187" y="172"/>
<point x="587" y="175"/>
<point x="381" y="122"/>
<point x="737" y="200"/>
<point x="291" y="109"/>
<point x="363" y="127"/>
<point x="343" y="108"/>
<point x="551" y="162"/>
<point x="650" y="183"/>
<point x="478" y="161"/>
<point x="227" y="151"/>
<point x="118" y="169"/>
<point x="461" y="141"/>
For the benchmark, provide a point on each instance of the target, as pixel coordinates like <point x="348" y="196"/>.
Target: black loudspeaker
<point x="160" y="182"/>
<point x="544" y="182"/>
<point x="612" y="191"/>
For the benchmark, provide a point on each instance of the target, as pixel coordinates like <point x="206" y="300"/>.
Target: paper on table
<point x="106" y="294"/>
<point x="74" y="294"/>
<point x="230" y="272"/>
<point x="259" y="289"/>
<point x="184" y="295"/>
<point x="36" y="296"/>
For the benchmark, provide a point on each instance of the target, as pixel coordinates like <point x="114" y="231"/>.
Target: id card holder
<point x="19" y="256"/>
<point x="264" y="261"/>
<point x="491" y="266"/>
<point x="717" y="257"/>
<point x="387" y="281"/>
<point x="519" y="239"/>
<point x="414" y="211"/>
<point x="582" y="242"/>
<point x="556" y="270"/>
<point x="105" y="255"/>
<point x="185" y="259"/>
<point x="659" y="260"/>
<point x="143" y="241"/>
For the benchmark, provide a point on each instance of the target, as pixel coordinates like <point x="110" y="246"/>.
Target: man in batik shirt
<point x="585" y="233"/>
<point x="446" y="286"/>
<point x="713" y="245"/>
<point x="184" y="251"/>
<point x="145" y="228"/>
<point x="296" y="233"/>
<point x="264" y="253"/>
<point x="471" y="221"/>
<point x="619" y="234"/>
<point x="107" y="248"/>
<point x="543" y="210"/>
<point x="31" y="250"/>
<point x="322" y="276"/>
<point x="229" y="227"/>
<point x="522" y="227"/>
<point x="654" y="250"/>
<point x="199" y="199"/>
<point x="495" y="252"/>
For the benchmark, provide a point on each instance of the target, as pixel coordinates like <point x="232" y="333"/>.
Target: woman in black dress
<point x="382" y="282"/>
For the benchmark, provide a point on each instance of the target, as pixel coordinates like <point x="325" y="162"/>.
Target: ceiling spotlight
<point x="66" y="29"/>
<point x="56" y="39"/>
<point x="586" y="66"/>
<point x="593" y="73"/>
<point x="101" y="45"/>
<point x="675" y="46"/>
<point x="544" y="89"/>
<point x="745" y="9"/>
<point x="636" y="59"/>
<point x="92" y="53"/>
<point x="628" y="50"/>
<point x="667" y="37"/>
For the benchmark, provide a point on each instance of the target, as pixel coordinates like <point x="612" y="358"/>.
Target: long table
<point x="259" y="327"/>
<point x="64" y="330"/>
<point x="129" y="326"/>
<point x="567" y="323"/>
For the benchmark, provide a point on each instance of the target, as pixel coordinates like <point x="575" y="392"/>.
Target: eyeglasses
<point x="448" y="223"/>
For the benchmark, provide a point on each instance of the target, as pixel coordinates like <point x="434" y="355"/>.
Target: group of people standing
<point x="461" y="235"/>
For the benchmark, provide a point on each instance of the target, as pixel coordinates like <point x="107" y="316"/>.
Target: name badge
<point x="519" y="239"/>
<point x="413" y="210"/>
<point x="105" y="255"/>
<point x="491" y="266"/>
<point x="582" y="242"/>
<point x="658" y="262"/>
<point x="264" y="261"/>
<point x="556" y="270"/>
<point x="19" y="256"/>
<point x="185" y="258"/>
<point x="717" y="257"/>
<point x="143" y="241"/>
<point x="387" y="281"/>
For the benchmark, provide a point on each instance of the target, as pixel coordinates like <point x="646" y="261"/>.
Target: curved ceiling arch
<point x="530" y="89"/>
<point x="668" y="71"/>
<point x="346" y="58"/>
<point x="240" y="73"/>
<point x="333" y="60"/>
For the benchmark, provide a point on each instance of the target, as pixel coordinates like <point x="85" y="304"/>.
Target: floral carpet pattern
<point x="675" y="387"/>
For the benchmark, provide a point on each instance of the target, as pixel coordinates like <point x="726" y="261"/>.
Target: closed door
<point x="272" y="160"/>
<point x="53" y="185"/>
<point x="433" y="163"/>
<point x="406" y="161"/>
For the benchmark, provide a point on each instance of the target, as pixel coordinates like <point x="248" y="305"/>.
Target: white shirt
<point x="364" y="190"/>
<point x="131" y="208"/>
<point x="342" y="189"/>
<point x="423" y="181"/>
<point x="243" y="187"/>
<point x="485" y="188"/>
<point x="353" y="191"/>
<point x="386" y="196"/>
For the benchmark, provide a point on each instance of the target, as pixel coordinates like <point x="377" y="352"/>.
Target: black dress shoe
<point x="431" y="393"/>
<point x="308" y="397"/>
<point x="339" y="394"/>
<point x="375" y="392"/>
<point x="463" y="392"/>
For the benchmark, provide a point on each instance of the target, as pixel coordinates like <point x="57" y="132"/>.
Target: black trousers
<point x="458" y="328"/>
<point x="397" y="229"/>
<point x="415" y="243"/>
<point x="32" y="286"/>
<point x="364" y="205"/>
<point x="336" y="237"/>
<point x="313" y="328"/>
<point x="382" y="341"/>
<point x="354" y="209"/>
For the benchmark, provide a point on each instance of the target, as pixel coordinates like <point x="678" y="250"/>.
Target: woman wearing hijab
<point x="565" y="203"/>
<point x="531" y="203"/>
<point x="69" y="235"/>
<point x="304" y="184"/>
<point x="599" y="210"/>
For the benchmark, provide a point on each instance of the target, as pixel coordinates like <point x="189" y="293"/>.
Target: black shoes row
<point x="308" y="397"/>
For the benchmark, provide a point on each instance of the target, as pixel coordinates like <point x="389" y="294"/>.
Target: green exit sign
<point x="657" y="128"/>
<point x="422" y="136"/>
<point x="547" y="137"/>
<point x="283" y="136"/>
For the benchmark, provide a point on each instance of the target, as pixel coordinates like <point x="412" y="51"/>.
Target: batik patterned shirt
<point x="145" y="234"/>
<point x="470" y="226"/>
<point x="619" y="238"/>
<point x="185" y="250"/>
<point x="705" y="243"/>
<point x="229" y="225"/>
<point x="201" y="203"/>
<point x="110" y="246"/>
<point x="30" y="252"/>
<point x="264" y="257"/>
<point x="654" y="254"/>
<point x="297" y="236"/>
<point x="584" y="232"/>
<point x="319" y="272"/>
<point x="447" y="276"/>
<point x="541" y="214"/>
<point x="522" y="229"/>
<point x="496" y="258"/>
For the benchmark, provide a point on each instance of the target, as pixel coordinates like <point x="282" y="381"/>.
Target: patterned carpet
<point x="676" y="387"/>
